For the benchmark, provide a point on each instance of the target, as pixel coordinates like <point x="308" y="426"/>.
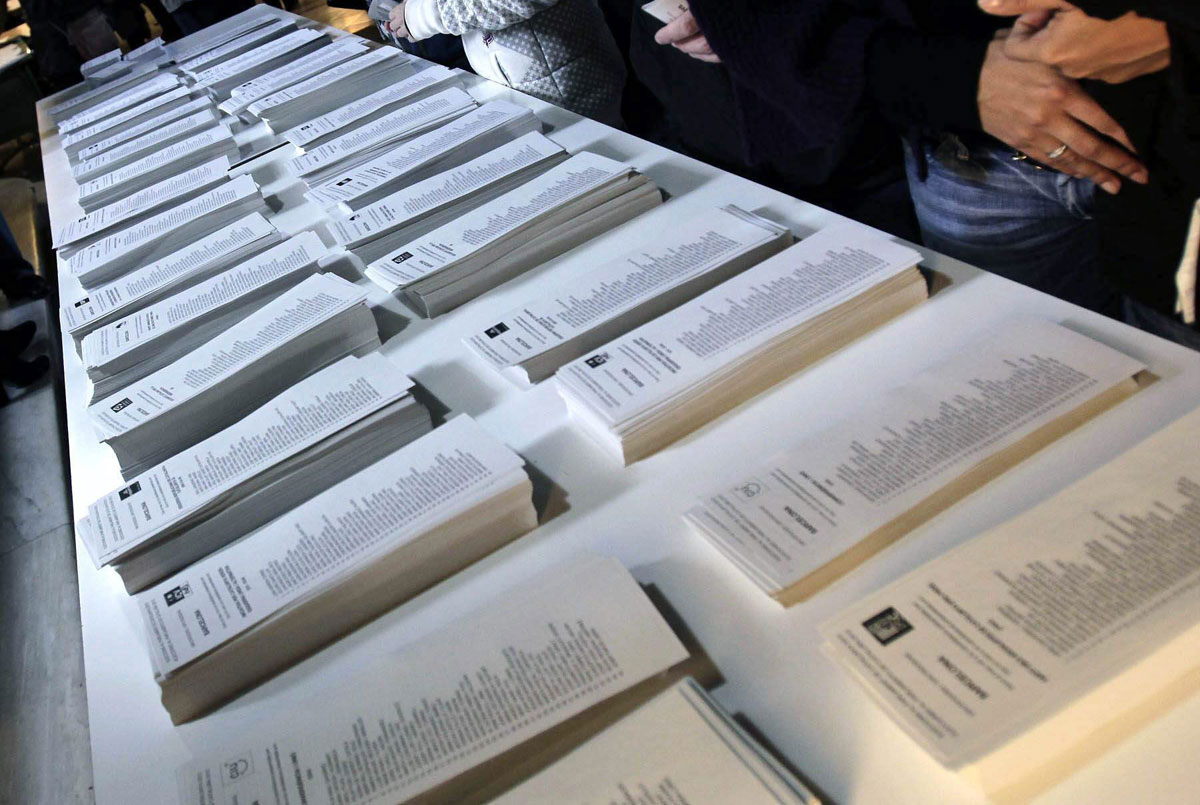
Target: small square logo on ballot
<point x="236" y="768"/>
<point x="121" y="405"/>
<point x="496" y="330"/>
<point x="887" y="626"/>
<point x="130" y="490"/>
<point x="400" y="258"/>
<point x="177" y="594"/>
<point x="597" y="360"/>
<point x="83" y="301"/>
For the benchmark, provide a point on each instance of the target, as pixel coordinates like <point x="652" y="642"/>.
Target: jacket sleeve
<point x="424" y="18"/>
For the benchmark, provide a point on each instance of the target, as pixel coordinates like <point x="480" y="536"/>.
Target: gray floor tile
<point x="45" y="756"/>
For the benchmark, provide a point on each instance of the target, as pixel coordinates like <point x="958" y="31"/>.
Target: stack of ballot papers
<point x="319" y="321"/>
<point x="556" y="211"/>
<point x="681" y="741"/>
<point x="104" y="260"/>
<point x="235" y="46"/>
<point x="670" y="261"/>
<point x="330" y="89"/>
<point x="364" y="143"/>
<point x="128" y="118"/>
<point x="186" y="108"/>
<point x="461" y="713"/>
<point x="132" y="347"/>
<point x="650" y="387"/>
<point x="316" y="62"/>
<point x="117" y="156"/>
<point x="1036" y="648"/>
<point x="112" y="96"/>
<point x="224" y="76"/>
<point x="325" y="428"/>
<point x="474" y="134"/>
<point x="153" y="51"/>
<point x="129" y="97"/>
<point x="214" y="36"/>
<point x="816" y="512"/>
<point x="92" y="66"/>
<point x="91" y="226"/>
<point x="363" y="546"/>
<point x="370" y="107"/>
<point x="421" y="207"/>
<point x="191" y="263"/>
<point x="149" y="170"/>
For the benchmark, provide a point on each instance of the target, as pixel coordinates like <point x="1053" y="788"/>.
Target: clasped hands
<point x="1030" y="98"/>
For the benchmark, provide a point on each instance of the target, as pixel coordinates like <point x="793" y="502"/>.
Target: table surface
<point x="770" y="657"/>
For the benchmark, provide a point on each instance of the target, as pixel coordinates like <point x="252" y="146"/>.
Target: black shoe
<point x="15" y="341"/>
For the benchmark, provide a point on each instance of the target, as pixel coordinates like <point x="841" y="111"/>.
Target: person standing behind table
<point x="1146" y="57"/>
<point x="558" y="50"/>
<point x="971" y="117"/>
<point x="192" y="15"/>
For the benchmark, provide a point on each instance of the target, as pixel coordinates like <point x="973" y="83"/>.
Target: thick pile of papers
<point x="224" y="76"/>
<point x="133" y="96"/>
<point x="190" y="264"/>
<point x="321" y="320"/>
<point x="164" y="232"/>
<point x="364" y="143"/>
<point x="321" y="430"/>
<point x="569" y="204"/>
<point x="474" y="134"/>
<point x="316" y="62"/>
<point x="235" y="46"/>
<point x="819" y="510"/>
<point x="420" y="208"/>
<point x="131" y="117"/>
<point x="682" y="738"/>
<point x="442" y="715"/>
<point x="185" y="107"/>
<point x="1032" y="650"/>
<point x="338" y="560"/>
<point x="371" y="107"/>
<point x="667" y="266"/>
<point x="329" y="89"/>
<point x="132" y="347"/>
<point x="138" y="175"/>
<point x="640" y="392"/>
<point x="214" y="36"/>
<point x="117" y="156"/>
<point x="173" y="190"/>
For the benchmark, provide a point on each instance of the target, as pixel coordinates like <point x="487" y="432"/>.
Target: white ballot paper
<point x="318" y="61"/>
<point x="533" y="658"/>
<point x="98" y="63"/>
<point x="215" y="36"/>
<point x="197" y="259"/>
<point x="434" y="201"/>
<point x="126" y="180"/>
<point x="116" y="156"/>
<point x="361" y="110"/>
<point x="235" y="46"/>
<point x="133" y="116"/>
<point x="806" y="506"/>
<point x="358" y="145"/>
<point x="679" y="748"/>
<point x="300" y="417"/>
<point x="325" y="81"/>
<point x="666" y="10"/>
<point x="220" y="75"/>
<point x="663" y="259"/>
<point x="134" y="133"/>
<point x="172" y="190"/>
<point x="131" y="97"/>
<point x="116" y="253"/>
<point x="678" y="349"/>
<point x="368" y="182"/>
<point x="154" y="49"/>
<point x="975" y="648"/>
<point x="199" y="312"/>
<point x="316" y="300"/>
<point x="480" y="227"/>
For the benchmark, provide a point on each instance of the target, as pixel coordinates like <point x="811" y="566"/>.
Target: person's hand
<point x="1037" y="110"/>
<point x="683" y="33"/>
<point x="1058" y="34"/>
<point x="395" y="23"/>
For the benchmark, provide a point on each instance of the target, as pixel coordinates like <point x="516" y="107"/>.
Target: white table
<point x="769" y="656"/>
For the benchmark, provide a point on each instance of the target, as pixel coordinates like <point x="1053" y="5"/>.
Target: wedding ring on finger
<point x="1057" y="152"/>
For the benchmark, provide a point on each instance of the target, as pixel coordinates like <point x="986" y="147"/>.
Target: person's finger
<point x="1072" y="163"/>
<point x="694" y="45"/>
<point x="1015" y="8"/>
<point x="1084" y="108"/>
<point x="681" y="27"/>
<point x="1085" y="143"/>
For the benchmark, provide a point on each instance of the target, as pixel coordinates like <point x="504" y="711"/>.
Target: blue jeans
<point x="1005" y="216"/>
